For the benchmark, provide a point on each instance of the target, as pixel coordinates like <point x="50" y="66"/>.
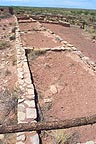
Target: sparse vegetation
<point x="4" y="44"/>
<point x="35" y="53"/>
<point x="12" y="37"/>
<point x="61" y="136"/>
<point x="85" y="19"/>
<point x="13" y="30"/>
<point x="7" y="72"/>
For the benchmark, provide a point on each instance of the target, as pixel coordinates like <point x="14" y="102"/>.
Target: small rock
<point x="28" y="81"/>
<point x="21" y="116"/>
<point x="79" y="53"/>
<point x="74" y="49"/>
<point x="35" y="139"/>
<point x="21" y="107"/>
<point x="31" y="91"/>
<point x="21" y="100"/>
<point x="69" y="45"/>
<point x="53" y="89"/>
<point x="47" y="100"/>
<point x="1" y="136"/>
<point x="85" y="59"/>
<point x="20" y="75"/>
<point x="94" y="41"/>
<point x="30" y="97"/>
<point x="65" y="42"/>
<point x="31" y="113"/>
<point x="30" y="103"/>
<point x="21" y="81"/>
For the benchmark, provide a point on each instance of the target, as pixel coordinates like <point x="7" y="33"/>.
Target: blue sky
<point x="87" y="4"/>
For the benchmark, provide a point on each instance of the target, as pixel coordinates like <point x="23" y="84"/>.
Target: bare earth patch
<point x="38" y="40"/>
<point x="8" y="79"/>
<point x="32" y="35"/>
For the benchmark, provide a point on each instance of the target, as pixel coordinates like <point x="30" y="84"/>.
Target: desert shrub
<point x="94" y="37"/>
<point x="4" y="44"/>
<point x="10" y="23"/>
<point x="14" y="60"/>
<point x="7" y="15"/>
<point x="13" y="37"/>
<point x="13" y="30"/>
<point x="7" y="72"/>
<point x="59" y="137"/>
<point x="35" y="53"/>
<point x="62" y="137"/>
<point x="5" y="25"/>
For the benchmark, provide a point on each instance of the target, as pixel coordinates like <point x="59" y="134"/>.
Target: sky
<point x="84" y="4"/>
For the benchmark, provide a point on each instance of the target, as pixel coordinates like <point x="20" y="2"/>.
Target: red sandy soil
<point x="76" y="36"/>
<point x="66" y="89"/>
<point x="38" y="40"/>
<point x="27" y="26"/>
<point x="8" y="79"/>
<point x="8" y="76"/>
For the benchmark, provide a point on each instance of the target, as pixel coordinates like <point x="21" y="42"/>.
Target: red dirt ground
<point x="76" y="36"/>
<point x="27" y="26"/>
<point x="38" y="40"/>
<point x="34" y="37"/>
<point x="66" y="89"/>
<point x="8" y="78"/>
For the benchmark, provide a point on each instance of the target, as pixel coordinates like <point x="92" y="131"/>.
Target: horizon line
<point x="48" y="7"/>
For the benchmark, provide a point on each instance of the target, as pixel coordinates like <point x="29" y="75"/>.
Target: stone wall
<point x="27" y="111"/>
<point x="26" y="19"/>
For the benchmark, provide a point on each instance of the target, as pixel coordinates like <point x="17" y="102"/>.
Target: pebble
<point x="53" y="89"/>
<point x="30" y="97"/>
<point x="21" y="100"/>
